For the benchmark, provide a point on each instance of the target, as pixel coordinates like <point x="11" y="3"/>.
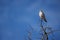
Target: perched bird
<point x="42" y="15"/>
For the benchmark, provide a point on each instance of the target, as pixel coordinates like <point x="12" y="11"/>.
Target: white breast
<point x="40" y="14"/>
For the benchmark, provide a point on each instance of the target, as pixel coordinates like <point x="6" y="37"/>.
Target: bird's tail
<point x="45" y="20"/>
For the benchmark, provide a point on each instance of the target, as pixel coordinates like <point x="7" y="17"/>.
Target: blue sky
<point x="17" y="15"/>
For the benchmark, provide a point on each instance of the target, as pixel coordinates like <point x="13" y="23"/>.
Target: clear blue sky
<point x="15" y="15"/>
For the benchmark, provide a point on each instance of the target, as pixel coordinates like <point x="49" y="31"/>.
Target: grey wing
<point x="44" y="17"/>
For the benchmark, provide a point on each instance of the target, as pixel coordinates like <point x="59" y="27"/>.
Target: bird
<point x="42" y="15"/>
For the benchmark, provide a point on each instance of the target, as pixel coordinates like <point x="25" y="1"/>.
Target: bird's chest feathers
<point x="41" y="15"/>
